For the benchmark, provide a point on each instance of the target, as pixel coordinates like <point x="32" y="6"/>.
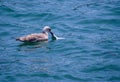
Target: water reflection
<point x="30" y="46"/>
<point x="32" y="43"/>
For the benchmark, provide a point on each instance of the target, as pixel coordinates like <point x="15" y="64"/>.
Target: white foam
<point x="57" y="38"/>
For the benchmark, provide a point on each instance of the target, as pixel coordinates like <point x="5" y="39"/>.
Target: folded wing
<point x="33" y="38"/>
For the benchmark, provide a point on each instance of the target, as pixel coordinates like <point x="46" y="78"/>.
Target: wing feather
<point x="33" y="38"/>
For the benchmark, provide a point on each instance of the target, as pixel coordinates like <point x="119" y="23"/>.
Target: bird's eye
<point x="49" y="29"/>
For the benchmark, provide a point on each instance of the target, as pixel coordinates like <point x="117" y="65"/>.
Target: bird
<point x="37" y="37"/>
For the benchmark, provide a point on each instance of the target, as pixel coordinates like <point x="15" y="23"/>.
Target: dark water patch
<point x="10" y="78"/>
<point x="105" y="68"/>
<point x="114" y="79"/>
<point x="31" y="15"/>
<point x="4" y="33"/>
<point x="75" y="78"/>
<point x="4" y="8"/>
<point x="46" y="75"/>
<point x="41" y="75"/>
<point x="115" y="10"/>
<point x="111" y="54"/>
<point x="6" y="25"/>
<point x="6" y="61"/>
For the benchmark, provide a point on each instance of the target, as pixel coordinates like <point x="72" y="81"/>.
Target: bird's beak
<point x="53" y="36"/>
<point x="51" y="32"/>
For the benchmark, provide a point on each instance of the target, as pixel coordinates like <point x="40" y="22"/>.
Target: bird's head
<point x="46" y="29"/>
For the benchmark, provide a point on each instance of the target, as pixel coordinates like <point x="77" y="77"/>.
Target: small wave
<point x="67" y="76"/>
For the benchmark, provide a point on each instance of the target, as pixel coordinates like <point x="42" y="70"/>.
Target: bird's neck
<point x="45" y="32"/>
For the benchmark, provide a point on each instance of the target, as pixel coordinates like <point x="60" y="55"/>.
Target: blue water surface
<point x="90" y="51"/>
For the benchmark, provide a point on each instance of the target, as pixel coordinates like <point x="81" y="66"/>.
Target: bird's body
<point x="36" y="37"/>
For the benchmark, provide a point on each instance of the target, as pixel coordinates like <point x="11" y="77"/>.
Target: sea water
<point x="90" y="51"/>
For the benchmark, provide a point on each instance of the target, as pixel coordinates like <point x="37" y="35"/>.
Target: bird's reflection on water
<point x="29" y="46"/>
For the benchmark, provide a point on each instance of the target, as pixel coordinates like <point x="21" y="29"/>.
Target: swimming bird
<point x="37" y="37"/>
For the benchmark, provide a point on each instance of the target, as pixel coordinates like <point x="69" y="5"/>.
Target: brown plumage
<point x="36" y="37"/>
